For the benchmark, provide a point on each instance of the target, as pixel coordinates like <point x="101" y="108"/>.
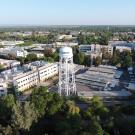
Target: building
<point x="9" y="63"/>
<point x="30" y="74"/>
<point x="94" y="54"/>
<point x="123" y="48"/>
<point x="93" y="51"/>
<point x="3" y="88"/>
<point x="101" y="78"/>
<point x="24" y="34"/>
<point x="39" y="55"/>
<point x="107" y="49"/>
<point x="15" y="51"/>
<point x="18" y="52"/>
<point x="62" y="44"/>
<point x="11" y="43"/>
<point x="117" y="43"/>
<point x="122" y="45"/>
<point x="89" y="48"/>
<point x="3" y="91"/>
<point x="96" y="48"/>
<point x="42" y="45"/>
<point x="67" y="37"/>
<point x="86" y="48"/>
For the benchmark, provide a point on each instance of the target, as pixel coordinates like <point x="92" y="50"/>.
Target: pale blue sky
<point x="67" y="12"/>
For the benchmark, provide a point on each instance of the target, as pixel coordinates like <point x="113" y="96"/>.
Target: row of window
<point x="28" y="83"/>
<point x="34" y="77"/>
<point x="48" y="70"/>
<point x="30" y="78"/>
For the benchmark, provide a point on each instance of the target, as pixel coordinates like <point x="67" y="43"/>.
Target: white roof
<point x="66" y="52"/>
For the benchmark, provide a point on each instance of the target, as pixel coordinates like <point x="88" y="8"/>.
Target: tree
<point x="87" y="60"/>
<point x="104" y="38"/>
<point x="97" y="61"/>
<point x="39" y="99"/>
<point x="95" y="128"/>
<point x="54" y="105"/>
<point x="11" y="56"/>
<point x="22" y="60"/>
<point x="23" y="116"/>
<point x="6" y="130"/>
<point x="6" y="105"/>
<point x="86" y="39"/>
<point x="71" y="108"/>
<point x="127" y="62"/>
<point x="48" y="52"/>
<point x="133" y="55"/>
<point x="50" y="59"/>
<point x="79" y="58"/>
<point x="82" y="39"/>
<point x="31" y="57"/>
<point x="98" y="107"/>
<point x="55" y="56"/>
<point x="116" y="58"/>
<point x="125" y="126"/>
<point x="106" y="56"/>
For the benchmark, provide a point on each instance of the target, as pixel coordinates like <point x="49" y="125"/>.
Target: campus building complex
<point x="30" y="74"/>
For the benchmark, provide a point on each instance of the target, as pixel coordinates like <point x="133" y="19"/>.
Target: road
<point x="83" y="105"/>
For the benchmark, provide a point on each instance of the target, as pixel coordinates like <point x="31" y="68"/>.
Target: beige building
<point x="30" y="75"/>
<point x="9" y="63"/>
<point x="107" y="49"/>
<point x="3" y="88"/>
<point x="68" y="37"/>
<point x="62" y="44"/>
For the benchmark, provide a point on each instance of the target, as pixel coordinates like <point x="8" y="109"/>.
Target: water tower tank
<point x="66" y="52"/>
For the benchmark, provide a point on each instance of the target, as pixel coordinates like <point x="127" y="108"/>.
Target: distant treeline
<point x="63" y="28"/>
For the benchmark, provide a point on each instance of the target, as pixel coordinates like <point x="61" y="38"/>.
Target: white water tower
<point x="66" y="72"/>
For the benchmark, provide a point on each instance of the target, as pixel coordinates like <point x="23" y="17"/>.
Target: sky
<point x="67" y="12"/>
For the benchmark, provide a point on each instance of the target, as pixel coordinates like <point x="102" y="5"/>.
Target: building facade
<point x="30" y="74"/>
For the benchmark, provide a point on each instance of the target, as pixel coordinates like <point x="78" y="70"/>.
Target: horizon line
<point x="38" y="25"/>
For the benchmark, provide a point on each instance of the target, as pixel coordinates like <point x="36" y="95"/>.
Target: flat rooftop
<point x="17" y="72"/>
<point x="87" y="92"/>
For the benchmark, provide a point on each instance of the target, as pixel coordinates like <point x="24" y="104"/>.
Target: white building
<point x="96" y="48"/>
<point x="11" y="43"/>
<point x="68" y="37"/>
<point x="62" y="44"/>
<point x="123" y="48"/>
<point x="3" y="88"/>
<point x="24" y="34"/>
<point x="116" y="43"/>
<point x="42" y="45"/>
<point x="86" y="48"/>
<point x="19" y="52"/>
<point x="9" y="63"/>
<point x="30" y="74"/>
<point x="39" y="55"/>
<point x="107" y="49"/>
<point x="122" y="45"/>
<point x="15" y="51"/>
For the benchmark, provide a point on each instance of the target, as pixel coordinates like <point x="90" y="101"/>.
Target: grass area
<point x="26" y="43"/>
<point x="1" y="46"/>
<point x="1" y="66"/>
